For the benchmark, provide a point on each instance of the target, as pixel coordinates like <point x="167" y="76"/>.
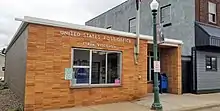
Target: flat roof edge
<point x="54" y="23"/>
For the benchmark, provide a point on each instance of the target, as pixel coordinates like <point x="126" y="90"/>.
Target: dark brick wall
<point x="202" y="11"/>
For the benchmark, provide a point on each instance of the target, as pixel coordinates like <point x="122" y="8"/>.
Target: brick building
<point x="102" y="61"/>
<point x="195" y="22"/>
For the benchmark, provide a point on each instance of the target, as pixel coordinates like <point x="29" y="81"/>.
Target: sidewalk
<point x="186" y="102"/>
<point x="170" y="102"/>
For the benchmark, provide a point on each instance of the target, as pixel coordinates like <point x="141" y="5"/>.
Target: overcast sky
<point x="73" y="11"/>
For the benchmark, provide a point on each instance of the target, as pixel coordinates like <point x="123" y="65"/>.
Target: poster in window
<point x="82" y="76"/>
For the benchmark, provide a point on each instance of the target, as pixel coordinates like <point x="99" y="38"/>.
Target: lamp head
<point x="154" y="5"/>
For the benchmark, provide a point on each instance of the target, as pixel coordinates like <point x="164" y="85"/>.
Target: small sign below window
<point x="208" y="67"/>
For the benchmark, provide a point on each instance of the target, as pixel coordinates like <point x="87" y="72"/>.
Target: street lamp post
<point x="156" y="105"/>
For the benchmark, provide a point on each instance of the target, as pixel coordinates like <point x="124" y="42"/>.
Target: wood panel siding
<point x="207" y="80"/>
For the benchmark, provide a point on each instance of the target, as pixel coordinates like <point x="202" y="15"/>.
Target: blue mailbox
<point x="163" y="83"/>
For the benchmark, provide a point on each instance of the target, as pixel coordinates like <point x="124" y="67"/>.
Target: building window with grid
<point x="212" y="12"/>
<point x="132" y="25"/>
<point x="211" y="63"/>
<point x="165" y="15"/>
<point x="96" y="67"/>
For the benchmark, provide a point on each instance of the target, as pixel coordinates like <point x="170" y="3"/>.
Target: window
<point x="132" y="25"/>
<point x="96" y="67"/>
<point x="212" y="12"/>
<point x="109" y="27"/>
<point x="211" y="63"/>
<point x="165" y="15"/>
<point x="81" y="66"/>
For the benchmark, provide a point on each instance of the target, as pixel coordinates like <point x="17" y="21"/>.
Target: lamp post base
<point x="156" y="106"/>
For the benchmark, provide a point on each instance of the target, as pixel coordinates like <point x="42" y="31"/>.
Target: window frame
<point x="90" y="69"/>
<point x="161" y="14"/>
<point x="85" y="67"/>
<point x="129" y="24"/>
<point x="210" y="13"/>
<point x="211" y="63"/>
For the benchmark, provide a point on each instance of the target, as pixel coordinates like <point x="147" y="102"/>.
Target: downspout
<point x="137" y="43"/>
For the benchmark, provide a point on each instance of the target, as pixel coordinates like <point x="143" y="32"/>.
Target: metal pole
<point x="156" y="105"/>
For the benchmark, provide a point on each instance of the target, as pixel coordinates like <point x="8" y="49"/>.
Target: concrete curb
<point x="198" y="108"/>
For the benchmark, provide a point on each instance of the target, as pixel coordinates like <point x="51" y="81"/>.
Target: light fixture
<point x="154" y="5"/>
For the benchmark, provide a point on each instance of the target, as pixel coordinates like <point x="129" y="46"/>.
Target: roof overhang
<point x="207" y="35"/>
<point x="26" y="20"/>
<point x="209" y="29"/>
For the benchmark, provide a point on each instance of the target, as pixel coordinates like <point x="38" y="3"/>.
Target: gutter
<point x="137" y="44"/>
